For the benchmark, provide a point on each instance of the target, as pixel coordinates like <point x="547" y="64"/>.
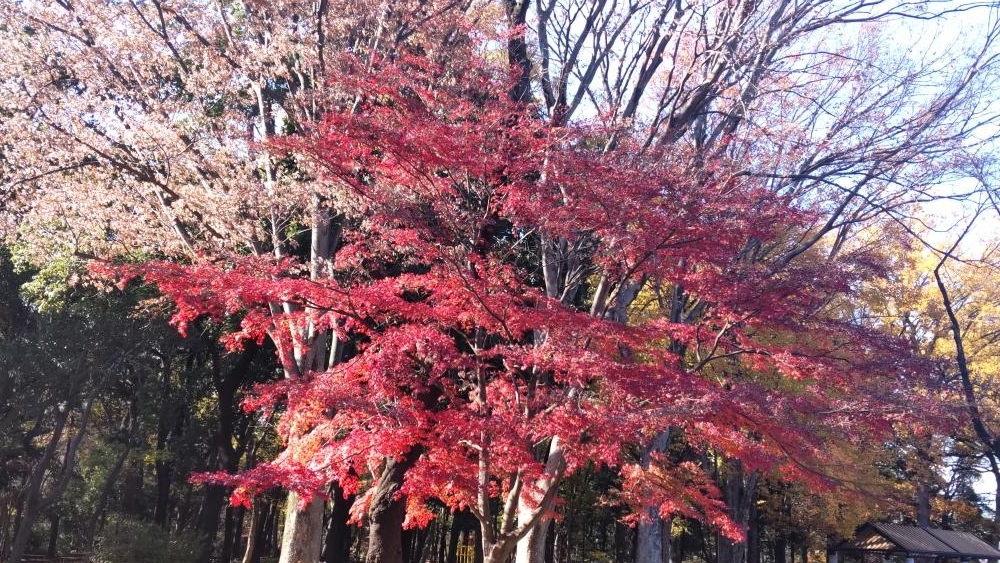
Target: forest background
<point x="430" y="280"/>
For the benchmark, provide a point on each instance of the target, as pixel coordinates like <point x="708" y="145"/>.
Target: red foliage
<point x="459" y="350"/>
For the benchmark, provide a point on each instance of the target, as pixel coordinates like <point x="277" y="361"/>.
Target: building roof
<point x="912" y="540"/>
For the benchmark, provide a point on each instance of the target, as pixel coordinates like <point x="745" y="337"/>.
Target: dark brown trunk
<point x="740" y="494"/>
<point x="133" y="490"/>
<point x="227" y="535"/>
<point x="337" y="544"/>
<point x="447" y="523"/>
<point x="780" y="548"/>
<point x="208" y="519"/>
<point x="241" y="514"/>
<point x="226" y="456"/>
<point x="53" y="536"/>
<point x="102" y="498"/>
<point x="923" y="505"/>
<point x="624" y="537"/>
<point x="164" y="477"/>
<point x="753" y="535"/>
<point x="550" y="543"/>
<point x="517" y="50"/>
<point x="272" y="534"/>
<point x="414" y="541"/>
<point x="666" y="540"/>
<point x="477" y="555"/>
<point x="387" y="512"/>
<point x="407" y="540"/>
<point x="453" y="538"/>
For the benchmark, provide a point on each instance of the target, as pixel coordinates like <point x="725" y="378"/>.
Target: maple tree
<point x="163" y="119"/>
<point x="466" y="362"/>
<point x="160" y="110"/>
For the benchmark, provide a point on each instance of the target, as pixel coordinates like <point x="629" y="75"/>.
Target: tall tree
<point x="467" y="364"/>
<point x="163" y="115"/>
<point x="804" y="95"/>
<point x="162" y="110"/>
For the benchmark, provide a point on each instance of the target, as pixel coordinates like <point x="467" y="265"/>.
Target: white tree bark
<point x="303" y="536"/>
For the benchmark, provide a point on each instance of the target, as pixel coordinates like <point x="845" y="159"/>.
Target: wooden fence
<point x="70" y="558"/>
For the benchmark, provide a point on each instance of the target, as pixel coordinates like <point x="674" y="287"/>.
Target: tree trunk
<point x="164" y="478"/>
<point x="170" y="427"/>
<point x="498" y="553"/>
<point x="780" y="550"/>
<point x="537" y="501"/>
<point x="649" y="543"/>
<point x="302" y="541"/>
<point x="478" y="555"/>
<point x="35" y="501"/>
<point x="443" y="535"/>
<point x="531" y="548"/>
<point x="923" y="505"/>
<point x="408" y="540"/>
<point x="228" y="530"/>
<point x="739" y="490"/>
<point x="387" y="512"/>
<point x="550" y="543"/>
<point x="753" y="535"/>
<point x="649" y="533"/>
<point x="337" y="546"/>
<point x="456" y="534"/>
<point x="623" y="542"/>
<point x="102" y="498"/>
<point x="666" y="541"/>
<point x="53" y="536"/>
<point x="272" y="533"/>
<point x="303" y="535"/>
<point x="33" y="495"/>
<point x="257" y="518"/>
<point x="208" y="519"/>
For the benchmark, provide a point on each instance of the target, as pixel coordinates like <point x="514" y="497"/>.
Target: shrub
<point x="128" y="541"/>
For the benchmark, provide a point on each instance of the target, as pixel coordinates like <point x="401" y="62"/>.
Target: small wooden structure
<point x="70" y="558"/>
<point x="893" y="541"/>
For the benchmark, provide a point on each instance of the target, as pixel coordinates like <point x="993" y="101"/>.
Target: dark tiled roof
<point x="966" y="544"/>
<point x="893" y="538"/>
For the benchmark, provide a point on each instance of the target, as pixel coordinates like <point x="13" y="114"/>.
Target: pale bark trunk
<point x="303" y="536"/>
<point x="532" y="508"/>
<point x="251" y="554"/>
<point x="498" y="553"/>
<point x="649" y="542"/>
<point x="531" y="548"/>
<point x="304" y="530"/>
<point x="647" y="546"/>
